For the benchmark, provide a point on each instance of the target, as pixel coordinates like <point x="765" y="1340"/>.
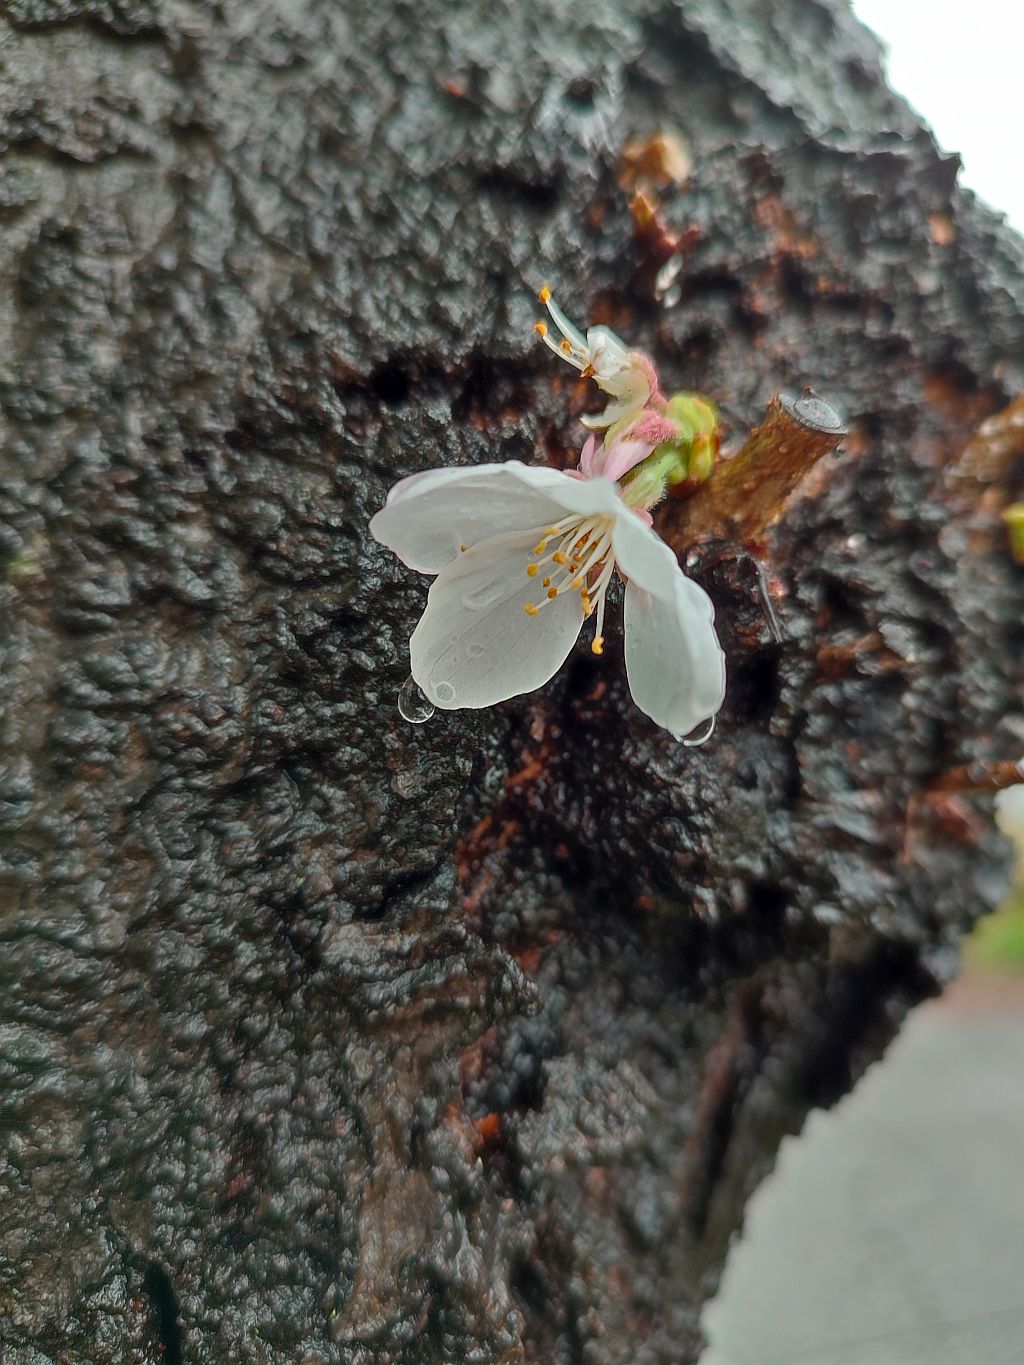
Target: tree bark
<point x="325" y="1038"/>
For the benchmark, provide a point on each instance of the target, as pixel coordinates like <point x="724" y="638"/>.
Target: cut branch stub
<point x="746" y="493"/>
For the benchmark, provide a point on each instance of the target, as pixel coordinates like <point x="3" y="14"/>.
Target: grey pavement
<point x="892" y="1230"/>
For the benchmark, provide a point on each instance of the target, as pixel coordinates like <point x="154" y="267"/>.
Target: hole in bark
<point x="754" y="689"/>
<point x="581" y="92"/>
<point x="767" y="900"/>
<point x="391" y="384"/>
<point x="527" y="1284"/>
<point x="709" y="282"/>
<point x="160" y="1291"/>
<point x="699" y="346"/>
<point x="508" y="184"/>
<point x="843" y="604"/>
<point x="793" y="785"/>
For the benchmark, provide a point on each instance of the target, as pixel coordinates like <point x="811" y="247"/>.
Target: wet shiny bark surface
<point x="325" y="1038"/>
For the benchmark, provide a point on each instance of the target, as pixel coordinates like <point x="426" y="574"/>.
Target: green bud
<point x="697" y="422"/>
<point x="688" y="457"/>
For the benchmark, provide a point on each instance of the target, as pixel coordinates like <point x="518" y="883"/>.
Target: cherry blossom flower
<point x="629" y="376"/>
<point x="523" y="556"/>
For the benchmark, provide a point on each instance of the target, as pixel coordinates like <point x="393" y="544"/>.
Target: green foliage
<point x="998" y="940"/>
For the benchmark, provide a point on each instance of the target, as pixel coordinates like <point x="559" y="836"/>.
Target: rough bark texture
<point x="324" y="1038"/>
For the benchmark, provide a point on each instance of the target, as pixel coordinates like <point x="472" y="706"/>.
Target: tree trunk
<point x="326" y="1038"/>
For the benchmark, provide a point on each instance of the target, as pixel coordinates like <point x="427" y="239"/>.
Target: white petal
<point x="642" y="555"/>
<point x="675" y="666"/>
<point x="429" y="516"/>
<point x="607" y="353"/>
<point x="571" y="493"/>
<point x="475" y="645"/>
<point x="628" y="385"/>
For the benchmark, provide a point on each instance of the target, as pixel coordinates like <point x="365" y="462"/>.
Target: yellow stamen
<point x="567" y="346"/>
<point x="545" y="293"/>
<point x="530" y="609"/>
<point x="598" y="646"/>
<point x="541" y="328"/>
<point x="551" y="530"/>
<point x="531" y="569"/>
<point x="552" y="592"/>
<point x="547" y="582"/>
<point x="463" y="548"/>
<point x="560" y="558"/>
<point x="577" y="583"/>
<point x="540" y="548"/>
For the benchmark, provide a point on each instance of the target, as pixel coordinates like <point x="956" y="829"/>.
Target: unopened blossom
<point x="523" y="557"/>
<point x="629" y="376"/>
<point x="681" y="429"/>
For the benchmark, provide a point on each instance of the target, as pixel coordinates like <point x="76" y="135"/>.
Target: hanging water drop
<point x="691" y="743"/>
<point x="412" y="704"/>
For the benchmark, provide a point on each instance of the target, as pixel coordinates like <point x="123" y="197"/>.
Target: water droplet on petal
<point x="694" y="740"/>
<point x="412" y="704"/>
<point x="483" y="597"/>
<point x="445" y="693"/>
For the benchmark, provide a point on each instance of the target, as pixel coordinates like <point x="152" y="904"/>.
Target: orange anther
<point x="545" y="293"/>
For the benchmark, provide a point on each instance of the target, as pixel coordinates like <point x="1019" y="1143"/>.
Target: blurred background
<point x="959" y="66"/>
<point x="920" y="1166"/>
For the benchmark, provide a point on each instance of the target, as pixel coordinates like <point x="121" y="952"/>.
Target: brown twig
<point x="746" y="493"/>
<point x="979" y="776"/>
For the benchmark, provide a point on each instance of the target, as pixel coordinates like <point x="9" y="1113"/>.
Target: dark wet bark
<point x="324" y="1038"/>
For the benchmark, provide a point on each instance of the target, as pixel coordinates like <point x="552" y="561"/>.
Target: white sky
<point x="961" y="65"/>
